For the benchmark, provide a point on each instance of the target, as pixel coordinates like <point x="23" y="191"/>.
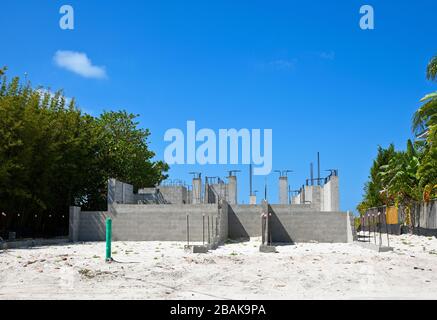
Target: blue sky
<point x="302" y="68"/>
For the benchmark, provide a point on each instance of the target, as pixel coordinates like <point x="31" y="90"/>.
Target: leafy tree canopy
<point x="52" y="155"/>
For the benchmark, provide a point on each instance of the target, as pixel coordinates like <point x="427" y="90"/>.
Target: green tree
<point x="410" y="176"/>
<point x="372" y="189"/>
<point x="53" y="156"/>
<point x="425" y="123"/>
<point x="399" y="179"/>
<point x="431" y="71"/>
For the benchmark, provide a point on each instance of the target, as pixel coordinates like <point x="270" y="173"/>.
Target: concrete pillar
<point x="265" y="223"/>
<point x="112" y="183"/>
<point x="74" y="224"/>
<point x="283" y="190"/>
<point x="232" y="190"/>
<point x="335" y="193"/>
<point x="313" y="196"/>
<point x="197" y="191"/>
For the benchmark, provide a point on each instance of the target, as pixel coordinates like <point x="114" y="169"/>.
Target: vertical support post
<point x="203" y="229"/>
<point x="209" y="234"/>
<point x="212" y="228"/>
<point x="108" y="239"/>
<point x="188" y="229"/>
<point x="267" y="228"/>
<point x="263" y="235"/>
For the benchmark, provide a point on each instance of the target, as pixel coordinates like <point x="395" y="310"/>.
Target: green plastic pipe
<point x="108" y="239"/>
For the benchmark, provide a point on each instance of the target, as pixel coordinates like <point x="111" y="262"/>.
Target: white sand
<point x="162" y="270"/>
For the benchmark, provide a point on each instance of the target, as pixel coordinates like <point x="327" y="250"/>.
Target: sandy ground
<point x="163" y="270"/>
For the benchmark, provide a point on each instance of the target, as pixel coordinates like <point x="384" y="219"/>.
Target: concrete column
<point x="283" y="190"/>
<point x="74" y="224"/>
<point x="265" y="223"/>
<point x="335" y="193"/>
<point x="197" y="191"/>
<point x="232" y="190"/>
<point x="111" y="191"/>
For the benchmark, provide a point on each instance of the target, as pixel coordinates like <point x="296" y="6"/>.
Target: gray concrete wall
<point x="93" y="225"/>
<point x="120" y="192"/>
<point x="174" y="194"/>
<point x="221" y="191"/>
<point x="323" y="198"/>
<point x="153" y="223"/>
<point x="244" y="221"/>
<point x="291" y="225"/>
<point x="297" y="223"/>
<point x="314" y="197"/>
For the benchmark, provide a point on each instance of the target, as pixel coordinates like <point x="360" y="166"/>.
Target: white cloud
<point x="283" y="64"/>
<point x="79" y="63"/>
<point x="327" y="55"/>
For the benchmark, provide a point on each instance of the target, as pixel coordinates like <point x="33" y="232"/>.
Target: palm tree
<point x="426" y="116"/>
<point x="431" y="71"/>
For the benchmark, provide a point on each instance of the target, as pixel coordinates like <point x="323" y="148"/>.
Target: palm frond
<point x="431" y="71"/>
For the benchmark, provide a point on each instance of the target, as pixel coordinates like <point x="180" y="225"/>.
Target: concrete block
<point x="267" y="249"/>
<point x="196" y="249"/>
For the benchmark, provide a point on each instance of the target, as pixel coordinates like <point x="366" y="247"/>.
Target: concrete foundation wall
<point x="154" y="223"/>
<point x="244" y="221"/>
<point x="297" y="223"/>
<point x="290" y="225"/>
